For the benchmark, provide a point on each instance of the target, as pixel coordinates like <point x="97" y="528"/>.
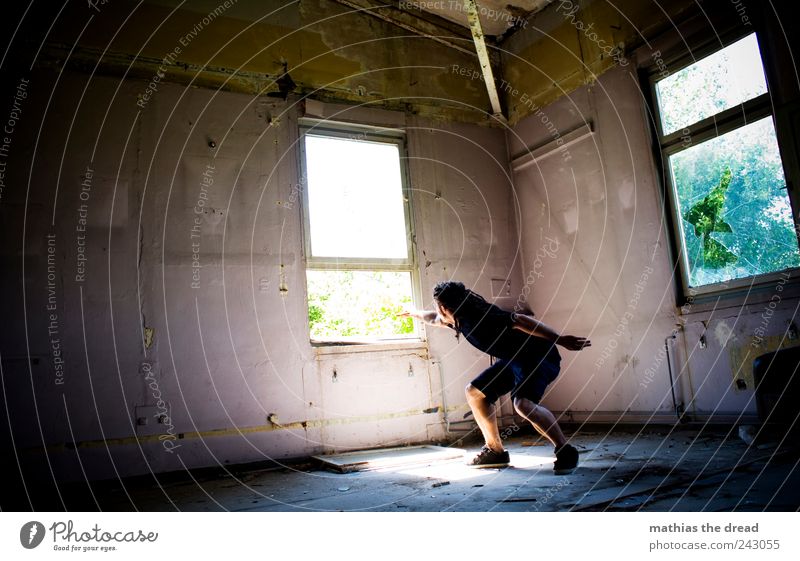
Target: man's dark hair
<point x="458" y="299"/>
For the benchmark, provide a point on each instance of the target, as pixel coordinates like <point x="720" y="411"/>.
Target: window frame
<point x="711" y="127"/>
<point x="370" y="133"/>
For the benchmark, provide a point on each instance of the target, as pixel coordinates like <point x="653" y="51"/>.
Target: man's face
<point x="445" y="313"/>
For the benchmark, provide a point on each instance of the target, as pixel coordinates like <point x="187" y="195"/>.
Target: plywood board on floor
<point x="388" y="457"/>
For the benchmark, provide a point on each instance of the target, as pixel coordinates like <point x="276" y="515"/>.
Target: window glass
<point x="735" y="216"/>
<point x="355" y="198"/>
<point x="720" y="81"/>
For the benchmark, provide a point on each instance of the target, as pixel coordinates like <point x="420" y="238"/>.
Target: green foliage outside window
<point x="355" y="304"/>
<point x="705" y="217"/>
<point x="737" y="219"/>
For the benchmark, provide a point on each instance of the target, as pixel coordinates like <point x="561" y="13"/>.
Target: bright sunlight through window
<point x="359" y="260"/>
<point x="720" y="81"/>
<point x="355" y="197"/>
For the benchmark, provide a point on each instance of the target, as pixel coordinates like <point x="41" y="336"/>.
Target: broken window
<point x="359" y="257"/>
<point x="726" y="185"/>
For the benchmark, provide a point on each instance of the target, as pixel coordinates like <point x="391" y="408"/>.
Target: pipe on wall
<point x="678" y="408"/>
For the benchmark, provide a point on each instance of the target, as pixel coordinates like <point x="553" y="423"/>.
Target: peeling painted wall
<point x="572" y="42"/>
<point x="331" y="52"/>
<point x="191" y="306"/>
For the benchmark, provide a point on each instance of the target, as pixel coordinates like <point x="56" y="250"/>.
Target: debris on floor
<point x="630" y="469"/>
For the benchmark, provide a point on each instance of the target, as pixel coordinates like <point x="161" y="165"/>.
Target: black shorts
<point x="523" y="378"/>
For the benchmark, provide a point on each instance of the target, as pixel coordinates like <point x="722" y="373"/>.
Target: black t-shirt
<point x="491" y="331"/>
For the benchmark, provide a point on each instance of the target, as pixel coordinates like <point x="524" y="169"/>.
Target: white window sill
<point x="743" y="302"/>
<point x="322" y="348"/>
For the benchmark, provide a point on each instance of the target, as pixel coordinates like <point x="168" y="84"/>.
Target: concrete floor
<point x="650" y="469"/>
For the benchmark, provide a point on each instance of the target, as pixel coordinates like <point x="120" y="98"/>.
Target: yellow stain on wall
<point x="149" y="334"/>
<point x="742" y="357"/>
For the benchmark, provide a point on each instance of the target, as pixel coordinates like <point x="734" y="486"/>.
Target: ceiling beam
<point x="483" y="57"/>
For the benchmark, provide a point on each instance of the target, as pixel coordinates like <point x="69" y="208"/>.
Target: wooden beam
<point x="484" y="58"/>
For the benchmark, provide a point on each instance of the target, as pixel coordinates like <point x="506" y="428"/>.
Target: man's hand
<point x="572" y="343"/>
<point x="412" y="313"/>
<point x="429" y="317"/>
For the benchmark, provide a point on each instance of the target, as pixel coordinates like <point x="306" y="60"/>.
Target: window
<point x="731" y="210"/>
<point x="359" y="256"/>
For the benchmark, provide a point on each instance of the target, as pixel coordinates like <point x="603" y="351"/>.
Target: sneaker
<point x="566" y="460"/>
<point x="488" y="458"/>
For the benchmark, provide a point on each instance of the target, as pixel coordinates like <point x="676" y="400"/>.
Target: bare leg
<point x="541" y="419"/>
<point x="485" y="416"/>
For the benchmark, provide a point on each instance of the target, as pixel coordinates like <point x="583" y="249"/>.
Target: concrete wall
<point x="597" y="262"/>
<point x="234" y="349"/>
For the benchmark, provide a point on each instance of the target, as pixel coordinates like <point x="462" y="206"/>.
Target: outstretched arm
<point x="431" y="317"/>
<point x="533" y="326"/>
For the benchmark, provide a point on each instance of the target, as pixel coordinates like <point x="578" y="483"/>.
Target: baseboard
<point x="649" y="418"/>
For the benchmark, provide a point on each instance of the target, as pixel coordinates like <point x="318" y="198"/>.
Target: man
<point x="528" y="361"/>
